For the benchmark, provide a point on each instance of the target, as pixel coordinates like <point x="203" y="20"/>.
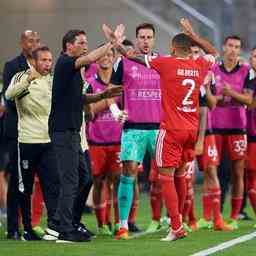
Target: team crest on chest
<point x="134" y="72"/>
<point x="25" y="164"/>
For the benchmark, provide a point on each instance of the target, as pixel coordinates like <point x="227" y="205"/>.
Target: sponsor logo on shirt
<point x="144" y="94"/>
<point x="136" y="73"/>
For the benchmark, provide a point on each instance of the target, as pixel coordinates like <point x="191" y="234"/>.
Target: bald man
<point x="29" y="40"/>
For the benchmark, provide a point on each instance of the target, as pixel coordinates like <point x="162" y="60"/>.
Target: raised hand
<point x="109" y="33"/>
<point x="115" y="37"/>
<point x="119" y="33"/>
<point x="186" y="27"/>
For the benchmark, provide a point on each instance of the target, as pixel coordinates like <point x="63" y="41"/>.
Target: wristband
<point x="115" y="111"/>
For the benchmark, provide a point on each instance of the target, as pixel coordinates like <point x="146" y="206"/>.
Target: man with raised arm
<point x="66" y="119"/>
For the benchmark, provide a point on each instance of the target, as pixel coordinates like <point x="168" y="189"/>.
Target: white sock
<point x="124" y="224"/>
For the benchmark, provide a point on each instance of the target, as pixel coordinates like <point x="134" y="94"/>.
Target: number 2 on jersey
<point x="187" y="101"/>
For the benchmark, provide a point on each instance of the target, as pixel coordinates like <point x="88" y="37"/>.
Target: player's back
<point x="181" y="79"/>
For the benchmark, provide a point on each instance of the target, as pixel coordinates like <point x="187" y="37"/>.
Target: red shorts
<point x="105" y="159"/>
<point x="154" y="174"/>
<point x="210" y="155"/>
<point x="251" y="156"/>
<point x="235" y="145"/>
<point x="174" y="147"/>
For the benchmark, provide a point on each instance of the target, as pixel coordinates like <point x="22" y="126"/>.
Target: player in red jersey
<point x="181" y="77"/>
<point x="180" y="84"/>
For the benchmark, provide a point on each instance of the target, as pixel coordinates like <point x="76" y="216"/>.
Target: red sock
<point x="108" y="211"/>
<point x="171" y="200"/>
<point x="107" y="195"/>
<point x="100" y="212"/>
<point x="188" y="201"/>
<point x="181" y="188"/>
<point x="192" y="212"/>
<point x="186" y="209"/>
<point x="251" y="188"/>
<point x="207" y="206"/>
<point x="37" y="204"/>
<point x="216" y="208"/>
<point x="133" y="211"/>
<point x="236" y="203"/>
<point x="155" y="201"/>
<point x="252" y="198"/>
<point x="116" y="210"/>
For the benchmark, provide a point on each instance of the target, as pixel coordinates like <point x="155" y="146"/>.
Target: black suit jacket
<point x="12" y="67"/>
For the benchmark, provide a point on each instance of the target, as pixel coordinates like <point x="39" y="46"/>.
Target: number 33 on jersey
<point x="181" y="79"/>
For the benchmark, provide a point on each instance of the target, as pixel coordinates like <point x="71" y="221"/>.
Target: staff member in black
<point x="29" y="41"/>
<point x="66" y="119"/>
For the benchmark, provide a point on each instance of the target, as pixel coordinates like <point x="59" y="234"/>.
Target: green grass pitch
<point x="143" y="246"/>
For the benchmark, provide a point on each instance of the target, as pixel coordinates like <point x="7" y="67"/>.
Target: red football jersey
<point x="181" y="79"/>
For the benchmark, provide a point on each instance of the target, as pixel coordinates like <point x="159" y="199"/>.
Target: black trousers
<point x="67" y="147"/>
<point x="41" y="159"/>
<point x="15" y="199"/>
<point x="85" y="184"/>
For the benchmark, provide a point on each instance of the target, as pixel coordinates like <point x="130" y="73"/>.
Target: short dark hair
<point x="70" y="37"/>
<point x="145" y="26"/>
<point x="183" y="42"/>
<point x="253" y="48"/>
<point x="127" y="42"/>
<point x="42" y="48"/>
<point x="233" y="37"/>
